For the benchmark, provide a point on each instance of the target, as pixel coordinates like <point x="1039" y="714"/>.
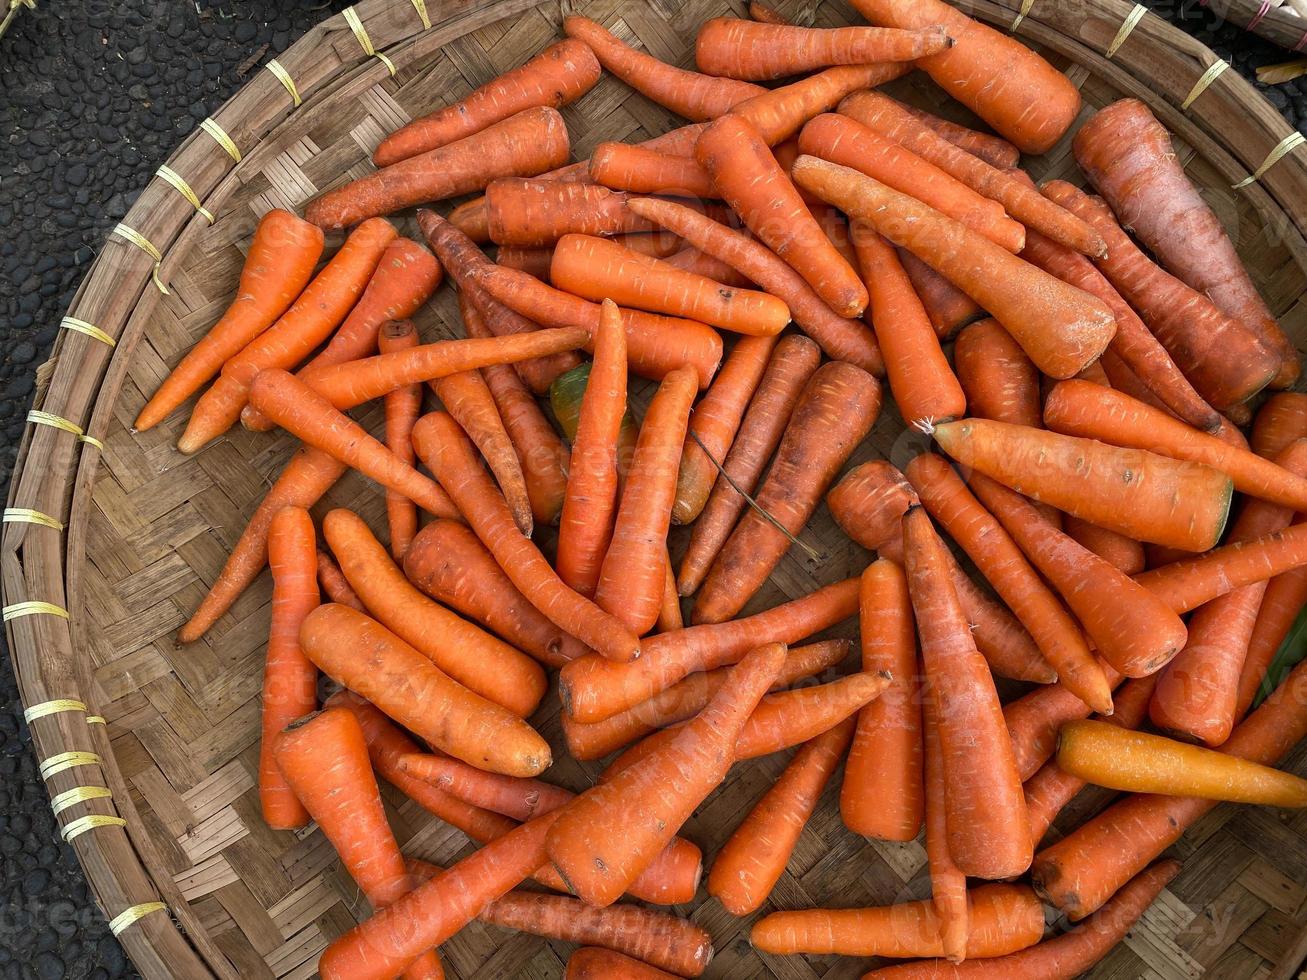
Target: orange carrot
<point x="949" y="308"/>
<point x="624" y="167"/>
<point x="593" y="963"/>
<point x="527" y="143"/>
<point x="540" y="212"/>
<point x="994" y="150"/>
<point x="1116" y="549"/>
<point x="289" y="679"/>
<point x="1033" y="721"/>
<point x="999" y="379"/>
<point x="335" y="585"/>
<point x="514" y="796"/>
<point x="1283" y="600"/>
<point x="403" y="406"/>
<point x="766" y="15"/>
<point x="948" y="885"/>
<point x="701" y="263"/>
<point x="869" y="501"/>
<point x="1281" y="420"/>
<point x="882" y="795"/>
<point x="533" y="259"/>
<point x="779" y="113"/>
<point x="277" y="267"/>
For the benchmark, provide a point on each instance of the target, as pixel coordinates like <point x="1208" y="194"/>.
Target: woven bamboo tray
<point x="112" y="537"/>
<point x="1276" y="24"/>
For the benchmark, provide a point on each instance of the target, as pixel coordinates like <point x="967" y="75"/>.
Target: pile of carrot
<point x="675" y="352"/>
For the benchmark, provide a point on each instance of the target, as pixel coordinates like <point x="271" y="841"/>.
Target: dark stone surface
<point x="93" y="97"/>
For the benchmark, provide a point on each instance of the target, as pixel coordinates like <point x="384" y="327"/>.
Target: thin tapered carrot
<point x="994" y="150"/>
<point x="1116" y="549"/>
<point x="324" y="758"/>
<point x="565" y="396"/>
<point x="949" y="308"/>
<point x="841" y="338"/>
<point x="558" y="75"/>
<point x="670" y="617"/>
<point x="633" y="572"/>
<point x="1001" y="561"/>
<point x="441" y="444"/>
<point x="403" y="406"/>
<point x="692" y="260"/>
<point x="1062" y="328"/>
<point x="334" y="584"/>
<point x="514" y="796"/>
<point x="624" y="167"/>
<point x="868" y="502"/>
<point x="924" y="387"/>
<point x="304" y="413"/>
<point x="610" y="833"/>
<point x="526" y="143"/>
<point x="1282" y="419"/>
<point x="540" y="212"/>
<point x="322" y="305"/>
<point x="1140" y="494"/>
<point x="755" y="855"/>
<point x="592" y="689"/>
<point x="1004" y="918"/>
<point x="289" y="680"/>
<point x="948" y="885"/>
<point x="835" y="412"/>
<point x="779" y="113"/>
<point x="1000" y="381"/>
<point x="767" y="15"/>
<point x="1062" y="957"/>
<point x="882" y="795"/>
<point x="479" y="661"/>
<point x="594" y="963"/>
<point x="1283" y="600"/>
<point x="988" y="829"/>
<point x="305" y="480"/>
<point x="277" y="267"/>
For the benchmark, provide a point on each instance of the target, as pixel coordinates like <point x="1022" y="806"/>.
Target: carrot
<point x="527" y="143"/>
<point x="1014" y="192"/>
<point x="592" y="963"/>
<point x="1283" y="600"/>
<point x="834" y="413"/>
<point x="557" y="76"/>
<point x="304" y="481"/>
<point x="1063" y="957"/>
<point x="755" y="855"/>
<point x="592" y="690"/>
<point x="624" y="167"/>
<point x="533" y="259"/>
<point x="479" y="661"/>
<point x="278" y="266"/>
<point x="949" y="308"/>
<point x="1127" y="155"/>
<point x="1059" y="326"/>
<point x="442" y="445"/>
<point x="289" y="679"/>
<point x="1142" y="495"/>
<point x="542" y="456"/>
<point x="752" y="182"/>
<point x="1116" y="549"/>
<point x="842" y="339"/>
<point x="322" y="305"/>
<point x="994" y="150"/>
<point x="754" y="51"/>
<point x="868" y="502"/>
<point x="324" y="758"/>
<point x="513" y="796"/>
<point x="766" y="15"/>
<point x="715" y="422"/>
<point x="845" y="141"/>
<point x="655" y="345"/>
<point x="633" y="571"/>
<point x="540" y="212"/>
<point x="471" y="219"/>
<point x="988" y="830"/>
<point x="948" y="885"/>
<point x="687" y="93"/>
<point x="779" y="113"/>
<point x="610" y="833"/>
<point x="1000" y="381"/>
<point x="691" y="259"/>
<point x="1000" y="560"/>
<point x="565" y="396"/>
<point x="882" y="795"/>
<point x="1281" y="420"/>
<point x="403" y="406"/>
<point x="334" y="584"/>
<point x="1004" y="918"/>
<point x="1033" y="721"/>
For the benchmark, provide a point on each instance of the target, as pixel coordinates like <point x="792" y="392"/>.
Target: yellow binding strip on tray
<point x="185" y="189"/>
<point x="38" y="417"/>
<point x="89" y="822"/>
<point x="365" y="42"/>
<point x="146" y="246"/>
<point x="34" y="607"/>
<point x="421" y="7"/>
<point x="221" y="138"/>
<point x="52" y="707"/>
<point x="78" y="794"/>
<point x="1205" y="79"/>
<point x="1022" y="13"/>
<point x="25" y="515"/>
<point x="89" y="329"/>
<point x="96" y="720"/>
<point x="67" y="760"/>
<point x="1132" y="20"/>
<point x="134" y="914"/>
<point x="1285" y="146"/>
<point x="283" y="76"/>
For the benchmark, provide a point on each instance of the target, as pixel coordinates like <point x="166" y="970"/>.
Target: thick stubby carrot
<point x="305" y="480"/>
<point x="1014" y="192"/>
<point x="624" y="167"/>
<point x="540" y="212"/>
<point x="988" y="829"/>
<point x="752" y="182"/>
<point x="334" y="584"/>
<point x="735" y="48"/>
<point x="322" y="305"/>
<point x="843" y="140"/>
<point x="923" y="385"/>
<point x="592" y="690"/>
<point x="1142" y="495"/>
<point x="403" y="406"/>
<point x="994" y="150"/>
<point x="611" y="832"/>
<point x="779" y="113"/>
<point x="1188" y="582"/>
<point x="289" y="680"/>
<point x="948" y="885"/>
<point x="514" y="796"/>
<point x="949" y="308"/>
<point x="480" y="662"/>
<point x="1062" y="957"/>
<point x="1001" y="561"/>
<point x="594" y="963"/>
<point x="882" y="795"/>
<point x="633" y="572"/>
<point x="277" y="267"/>
<point x="655" y="344"/>
<point x="527" y="143"/>
<point x="1004" y="918"/>
<point x="1282" y="419"/>
<point x="1062" y="328"/>
<point x="559" y="74"/>
<point x="1127" y="155"/>
<point x="869" y="501"/>
<point x="1000" y="381"/>
<point x="841" y="338"/>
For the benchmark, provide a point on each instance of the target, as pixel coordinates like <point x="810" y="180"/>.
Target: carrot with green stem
<point x="624" y="167"/>
<point x="278" y="266"/>
<point x="334" y="584"/>
<point x="994" y="150"/>
<point x="403" y="406"/>
<point x="779" y="113"/>
<point x="948" y="885"/>
<point x="1281" y="420"/>
<point x="949" y="308"/>
<point x="869" y="501"/>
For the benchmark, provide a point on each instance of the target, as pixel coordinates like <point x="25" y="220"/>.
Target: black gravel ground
<point x="93" y="97"/>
